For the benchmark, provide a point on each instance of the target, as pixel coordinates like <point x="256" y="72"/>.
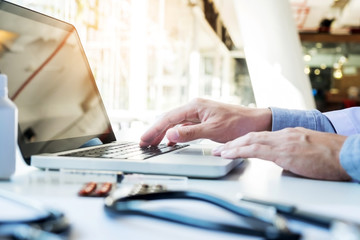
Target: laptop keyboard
<point x="125" y="151"/>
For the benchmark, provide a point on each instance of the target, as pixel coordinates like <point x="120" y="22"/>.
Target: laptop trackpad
<point x="195" y="151"/>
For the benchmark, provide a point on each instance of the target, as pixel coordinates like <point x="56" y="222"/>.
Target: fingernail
<point x="227" y="153"/>
<point x="173" y="135"/>
<point x="217" y="149"/>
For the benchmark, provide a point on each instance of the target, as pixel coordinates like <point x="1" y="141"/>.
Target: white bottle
<point x="8" y="131"/>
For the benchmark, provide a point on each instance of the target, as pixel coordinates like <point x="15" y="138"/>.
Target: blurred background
<point x="148" y="56"/>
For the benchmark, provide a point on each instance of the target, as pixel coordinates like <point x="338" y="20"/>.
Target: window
<point x="148" y="56"/>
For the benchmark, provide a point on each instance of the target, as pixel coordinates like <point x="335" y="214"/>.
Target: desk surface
<point x="255" y="178"/>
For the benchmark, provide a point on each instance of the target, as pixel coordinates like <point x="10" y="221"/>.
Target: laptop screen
<point x="51" y="83"/>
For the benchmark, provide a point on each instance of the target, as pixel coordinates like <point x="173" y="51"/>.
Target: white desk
<point x="255" y="178"/>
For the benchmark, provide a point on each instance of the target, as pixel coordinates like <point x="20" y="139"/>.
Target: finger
<point x="144" y="142"/>
<point x="172" y="134"/>
<point x="250" y="151"/>
<point x="187" y="133"/>
<point x="155" y="133"/>
<point x="217" y="151"/>
<point x="156" y="141"/>
<point x="264" y="138"/>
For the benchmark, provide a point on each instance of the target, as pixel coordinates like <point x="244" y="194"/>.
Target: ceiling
<point x="308" y="15"/>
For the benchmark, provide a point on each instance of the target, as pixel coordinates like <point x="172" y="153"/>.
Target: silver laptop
<point x="62" y="120"/>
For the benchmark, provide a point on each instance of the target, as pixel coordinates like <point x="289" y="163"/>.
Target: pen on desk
<point x="292" y="212"/>
<point x="72" y="175"/>
<point x="154" y="178"/>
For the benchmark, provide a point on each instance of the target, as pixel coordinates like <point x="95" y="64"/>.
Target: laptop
<point x="63" y="123"/>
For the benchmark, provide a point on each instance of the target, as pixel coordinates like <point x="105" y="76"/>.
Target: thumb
<point x="185" y="133"/>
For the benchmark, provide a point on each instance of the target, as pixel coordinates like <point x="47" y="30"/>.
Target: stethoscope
<point x="49" y="224"/>
<point x="133" y="204"/>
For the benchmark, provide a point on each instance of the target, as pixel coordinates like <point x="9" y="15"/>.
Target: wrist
<point x="267" y="116"/>
<point x="265" y="119"/>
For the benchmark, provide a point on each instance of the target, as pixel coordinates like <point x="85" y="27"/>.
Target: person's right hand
<point x="301" y="151"/>
<point x="207" y="119"/>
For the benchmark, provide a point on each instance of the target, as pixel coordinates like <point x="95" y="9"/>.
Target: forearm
<point x="344" y="122"/>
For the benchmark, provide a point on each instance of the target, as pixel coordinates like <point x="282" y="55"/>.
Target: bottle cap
<point x="3" y="81"/>
<point x="3" y="84"/>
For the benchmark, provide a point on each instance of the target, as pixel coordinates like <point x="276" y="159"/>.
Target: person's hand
<point x="301" y="151"/>
<point x="207" y="119"/>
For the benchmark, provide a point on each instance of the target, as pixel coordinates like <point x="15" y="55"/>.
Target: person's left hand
<point x="301" y="151"/>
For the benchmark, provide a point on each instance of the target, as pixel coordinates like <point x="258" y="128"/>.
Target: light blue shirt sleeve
<point x="350" y="156"/>
<point x="311" y="119"/>
<point x="345" y="122"/>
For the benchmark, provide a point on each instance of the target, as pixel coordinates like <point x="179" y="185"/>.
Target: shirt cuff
<point x="345" y="121"/>
<point x="350" y="157"/>
<point x="311" y="119"/>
